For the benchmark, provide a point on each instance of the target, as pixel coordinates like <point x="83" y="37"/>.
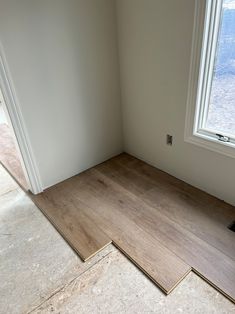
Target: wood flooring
<point x="72" y="221"/>
<point x="165" y="226"/>
<point x="9" y="156"/>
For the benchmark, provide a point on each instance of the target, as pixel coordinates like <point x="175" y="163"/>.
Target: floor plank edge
<point x="64" y="236"/>
<point x="98" y="251"/>
<point x="213" y="285"/>
<point x="147" y="274"/>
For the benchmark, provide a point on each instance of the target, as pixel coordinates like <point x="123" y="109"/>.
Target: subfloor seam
<point x="7" y="192"/>
<point x="67" y="284"/>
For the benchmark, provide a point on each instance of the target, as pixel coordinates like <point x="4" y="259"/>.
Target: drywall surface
<point x="62" y="56"/>
<point x="154" y="46"/>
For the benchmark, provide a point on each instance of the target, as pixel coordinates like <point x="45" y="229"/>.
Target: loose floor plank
<point x="83" y="234"/>
<point x="162" y="266"/>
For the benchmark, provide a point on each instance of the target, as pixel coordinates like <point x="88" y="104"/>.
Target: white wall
<point x="154" y="46"/>
<point x="62" y="56"/>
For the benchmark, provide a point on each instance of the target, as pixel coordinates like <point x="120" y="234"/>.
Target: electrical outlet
<point x="169" y="139"/>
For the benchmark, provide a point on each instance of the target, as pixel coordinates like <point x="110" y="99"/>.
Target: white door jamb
<point x="18" y="125"/>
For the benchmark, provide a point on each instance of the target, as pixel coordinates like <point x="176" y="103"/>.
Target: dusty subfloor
<point x="40" y="273"/>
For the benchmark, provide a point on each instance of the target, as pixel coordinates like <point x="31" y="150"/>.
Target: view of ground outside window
<point x="221" y="115"/>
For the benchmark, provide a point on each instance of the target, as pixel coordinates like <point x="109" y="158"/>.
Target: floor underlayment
<point x="163" y="225"/>
<point x="40" y="273"/>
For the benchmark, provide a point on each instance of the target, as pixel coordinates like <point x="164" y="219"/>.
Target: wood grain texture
<point x="151" y="256"/>
<point x="9" y="156"/>
<point x="83" y="234"/>
<point x="162" y="224"/>
<point x="207" y="219"/>
<point x="211" y="263"/>
<point x="62" y="205"/>
<point x="155" y="260"/>
<point x="199" y="244"/>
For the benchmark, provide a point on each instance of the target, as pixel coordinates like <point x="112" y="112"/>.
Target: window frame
<point x="207" y="18"/>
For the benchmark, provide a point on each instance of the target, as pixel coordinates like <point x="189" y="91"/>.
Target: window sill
<point x="225" y="148"/>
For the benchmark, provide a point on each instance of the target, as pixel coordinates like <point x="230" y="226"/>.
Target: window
<point x="210" y="119"/>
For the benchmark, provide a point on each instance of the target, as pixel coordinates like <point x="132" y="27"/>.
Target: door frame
<point x="18" y="125"/>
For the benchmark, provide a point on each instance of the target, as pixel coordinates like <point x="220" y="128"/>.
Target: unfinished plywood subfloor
<point x="9" y="157"/>
<point x="162" y="224"/>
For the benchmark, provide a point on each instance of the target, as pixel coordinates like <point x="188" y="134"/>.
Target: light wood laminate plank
<point x="160" y="264"/>
<point x="71" y="220"/>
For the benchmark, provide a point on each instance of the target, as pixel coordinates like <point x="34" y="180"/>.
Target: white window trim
<point x="205" y="33"/>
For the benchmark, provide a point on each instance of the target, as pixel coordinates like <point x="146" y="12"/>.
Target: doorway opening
<point x="10" y="156"/>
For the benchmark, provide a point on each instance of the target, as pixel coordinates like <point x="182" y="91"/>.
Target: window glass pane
<point x="221" y="113"/>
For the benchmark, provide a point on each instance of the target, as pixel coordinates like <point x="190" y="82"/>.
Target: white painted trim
<point x="194" y="118"/>
<point x="197" y="38"/>
<point x="18" y="125"/>
<point x="227" y="149"/>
